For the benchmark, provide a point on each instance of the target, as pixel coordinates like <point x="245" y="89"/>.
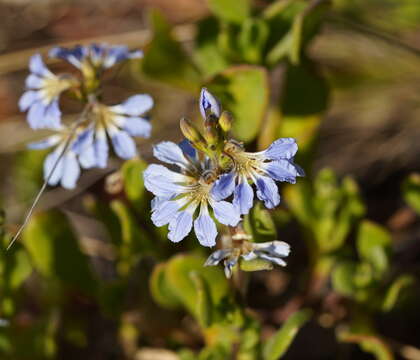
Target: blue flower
<point x="118" y="123"/>
<point x="183" y="198"/>
<point x="208" y="104"/>
<point x="271" y="252"/>
<point x="67" y="170"/>
<point x="262" y="168"/>
<point x="42" y="95"/>
<point x="99" y="56"/>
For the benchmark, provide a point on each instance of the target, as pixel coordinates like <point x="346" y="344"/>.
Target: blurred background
<point x="341" y="76"/>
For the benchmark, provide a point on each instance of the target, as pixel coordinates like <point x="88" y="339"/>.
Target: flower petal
<point x="135" y="105"/>
<point x="101" y="149"/>
<point x="284" y="148"/>
<point x="171" y="153"/>
<point x="163" y="182"/>
<point x="46" y="143"/>
<point x="33" y="82"/>
<point x="50" y="164"/>
<point x="37" y="66"/>
<point x="124" y="145"/>
<point x="267" y="191"/>
<point x="217" y="256"/>
<point x="180" y="226"/>
<point x="281" y="170"/>
<point x="27" y="99"/>
<point x="208" y="103"/>
<point x="225" y="213"/>
<point x="164" y="212"/>
<point x="243" y="197"/>
<point x="135" y="126"/>
<point x="224" y="186"/>
<point x="71" y="171"/>
<point x="205" y="228"/>
<point x="188" y="149"/>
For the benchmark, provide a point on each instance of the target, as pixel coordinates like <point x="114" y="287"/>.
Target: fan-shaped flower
<point x="118" y="123"/>
<point x="99" y="56"/>
<point x="42" y="95"/>
<point x="181" y="195"/>
<point x="272" y="252"/>
<point x="262" y="168"/>
<point x="63" y="159"/>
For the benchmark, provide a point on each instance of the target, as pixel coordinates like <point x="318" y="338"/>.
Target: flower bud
<point x="191" y="133"/>
<point x="211" y="131"/>
<point x="225" y="121"/>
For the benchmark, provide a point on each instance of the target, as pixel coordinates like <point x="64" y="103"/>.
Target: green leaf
<point x="160" y="288"/>
<point x="165" y="60"/>
<point x="259" y="224"/>
<point x="255" y="265"/>
<point x="207" y="52"/>
<point x="394" y="291"/>
<point x="235" y="11"/>
<point x="369" y="343"/>
<point x="252" y="38"/>
<point x="178" y="271"/>
<point x="132" y="172"/>
<point x="278" y="344"/>
<point x="374" y="245"/>
<point x="18" y="269"/>
<point x="411" y="191"/>
<point x="55" y="252"/>
<point x="244" y="91"/>
<point x="204" y="304"/>
<point x="299" y="199"/>
<point x="343" y="278"/>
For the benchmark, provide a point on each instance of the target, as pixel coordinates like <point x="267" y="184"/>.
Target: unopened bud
<point x="211" y="131"/>
<point x="225" y="121"/>
<point x="190" y="132"/>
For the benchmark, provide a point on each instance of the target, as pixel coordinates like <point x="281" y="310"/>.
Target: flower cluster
<point x="213" y="178"/>
<point x="85" y="143"/>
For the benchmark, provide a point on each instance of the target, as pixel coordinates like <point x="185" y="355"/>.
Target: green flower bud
<point x="225" y="121"/>
<point x="191" y="133"/>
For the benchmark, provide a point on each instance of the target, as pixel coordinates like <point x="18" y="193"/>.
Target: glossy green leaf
<point x="259" y="224"/>
<point x="252" y="39"/>
<point x="278" y="344"/>
<point x="373" y="244"/>
<point x="160" y="289"/>
<point x="165" y="59"/>
<point x="178" y="271"/>
<point x="204" y="306"/>
<point x="234" y="11"/>
<point x="394" y="291"/>
<point x="411" y="191"/>
<point x="207" y="53"/>
<point x="244" y="91"/>
<point x="132" y="172"/>
<point x="369" y="343"/>
<point x="55" y="252"/>
<point x="343" y="278"/>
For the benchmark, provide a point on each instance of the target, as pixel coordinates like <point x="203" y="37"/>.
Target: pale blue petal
<point x="223" y="186"/>
<point x="161" y="181"/>
<point x="170" y="153"/>
<point x="33" y="82"/>
<point x="267" y="191"/>
<point x="35" y="115"/>
<point x="46" y="143"/>
<point x="135" y="105"/>
<point x="274" y="248"/>
<point x="49" y="165"/>
<point x="272" y="259"/>
<point x="284" y="148"/>
<point x="101" y="149"/>
<point x="27" y="99"/>
<point x="217" y="256"/>
<point x="225" y="213"/>
<point x="208" y="103"/>
<point x="52" y="115"/>
<point x="37" y="66"/>
<point x="83" y="140"/>
<point x="282" y="170"/>
<point x="180" y="226"/>
<point x="205" y="229"/>
<point x="164" y="212"/>
<point x="124" y="145"/>
<point x="71" y="171"/>
<point x="137" y="126"/>
<point x="243" y="197"/>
